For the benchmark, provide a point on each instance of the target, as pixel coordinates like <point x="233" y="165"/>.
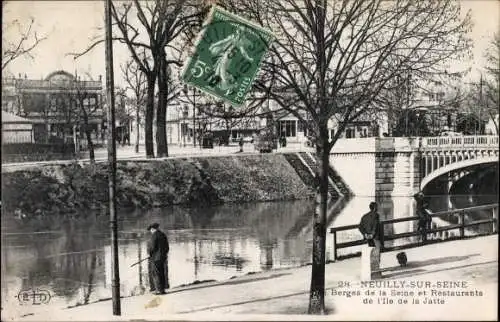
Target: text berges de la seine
<point x="407" y="288"/>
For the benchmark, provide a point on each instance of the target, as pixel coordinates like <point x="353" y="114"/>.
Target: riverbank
<point x="73" y="188"/>
<point x="283" y="294"/>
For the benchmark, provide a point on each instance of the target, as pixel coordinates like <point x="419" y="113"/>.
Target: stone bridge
<point x="404" y="166"/>
<point x="455" y="156"/>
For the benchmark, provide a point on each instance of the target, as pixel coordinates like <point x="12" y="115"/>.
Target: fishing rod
<point x="142" y="260"/>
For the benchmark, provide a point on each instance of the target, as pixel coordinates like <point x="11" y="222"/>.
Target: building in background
<point x="16" y="129"/>
<point x="53" y="105"/>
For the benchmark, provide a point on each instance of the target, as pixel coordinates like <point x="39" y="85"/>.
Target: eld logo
<point x="34" y="297"/>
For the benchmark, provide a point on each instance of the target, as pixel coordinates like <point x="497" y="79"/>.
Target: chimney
<point x="100" y="78"/>
<point x="25" y="76"/>
<point x="19" y="75"/>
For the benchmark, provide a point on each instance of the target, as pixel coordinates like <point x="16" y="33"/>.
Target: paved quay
<point x="175" y="151"/>
<point x="465" y="265"/>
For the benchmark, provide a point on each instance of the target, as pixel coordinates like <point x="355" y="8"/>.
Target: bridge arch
<point x="456" y="166"/>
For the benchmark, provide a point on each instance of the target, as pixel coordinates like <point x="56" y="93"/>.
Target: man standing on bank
<point x="158" y="265"/>
<point x="369" y="227"/>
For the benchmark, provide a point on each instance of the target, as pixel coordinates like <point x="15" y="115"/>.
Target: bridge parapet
<point x="454" y="154"/>
<point x="459" y="142"/>
<point x="401" y="166"/>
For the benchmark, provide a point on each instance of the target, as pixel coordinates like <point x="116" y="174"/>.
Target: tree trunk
<point x="194" y="118"/>
<point x="228" y="132"/>
<point x="317" y="291"/>
<point x="149" y="117"/>
<point x="47" y="131"/>
<point x="137" y="136"/>
<point x="161" y="111"/>
<point x="89" y="136"/>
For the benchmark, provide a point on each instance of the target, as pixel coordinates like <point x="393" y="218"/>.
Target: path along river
<point x="72" y="261"/>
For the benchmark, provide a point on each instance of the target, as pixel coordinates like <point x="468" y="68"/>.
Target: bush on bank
<point x="70" y="189"/>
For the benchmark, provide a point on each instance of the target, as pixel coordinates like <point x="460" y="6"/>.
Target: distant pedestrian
<point x="424" y="220"/>
<point x="158" y="260"/>
<point x="126" y="139"/>
<point x="241" y="144"/>
<point x="369" y="227"/>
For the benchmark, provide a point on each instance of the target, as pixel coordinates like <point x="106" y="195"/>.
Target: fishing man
<point x="158" y="266"/>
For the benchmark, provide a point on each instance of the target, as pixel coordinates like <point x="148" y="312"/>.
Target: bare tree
<point x="23" y="44"/>
<point x="149" y="29"/>
<point x="162" y="22"/>
<point x="230" y="119"/>
<point x="28" y="103"/>
<point x="87" y="106"/>
<point x="67" y="111"/>
<point x="220" y="114"/>
<point x="136" y="83"/>
<point x="481" y="99"/>
<point x="490" y="97"/>
<point x="332" y="60"/>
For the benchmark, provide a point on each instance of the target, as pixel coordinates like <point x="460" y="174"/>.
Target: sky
<point x="70" y="26"/>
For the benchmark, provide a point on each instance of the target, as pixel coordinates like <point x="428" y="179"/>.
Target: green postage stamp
<point x="227" y="55"/>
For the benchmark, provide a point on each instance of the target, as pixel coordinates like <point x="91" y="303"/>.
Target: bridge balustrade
<point x="462" y="222"/>
<point x="460" y="141"/>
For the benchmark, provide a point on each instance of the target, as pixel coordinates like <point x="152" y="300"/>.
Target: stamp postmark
<point x="227" y="55"/>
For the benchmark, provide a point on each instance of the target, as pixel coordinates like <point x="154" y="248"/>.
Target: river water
<point x="72" y="259"/>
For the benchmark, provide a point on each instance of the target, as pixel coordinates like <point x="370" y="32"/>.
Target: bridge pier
<point x="397" y="167"/>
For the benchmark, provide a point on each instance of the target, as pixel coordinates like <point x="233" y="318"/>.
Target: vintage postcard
<point x="250" y="160"/>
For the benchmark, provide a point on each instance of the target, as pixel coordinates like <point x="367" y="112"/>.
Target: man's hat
<point x="155" y="226"/>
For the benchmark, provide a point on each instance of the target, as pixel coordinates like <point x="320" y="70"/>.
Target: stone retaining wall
<point x="72" y="189"/>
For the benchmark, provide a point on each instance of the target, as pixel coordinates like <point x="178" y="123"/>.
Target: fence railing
<point x="461" y="225"/>
<point x="460" y="141"/>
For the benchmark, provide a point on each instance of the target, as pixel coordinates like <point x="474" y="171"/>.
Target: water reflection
<point x="72" y="260"/>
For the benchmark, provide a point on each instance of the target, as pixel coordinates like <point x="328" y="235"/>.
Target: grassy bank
<point x="70" y="189"/>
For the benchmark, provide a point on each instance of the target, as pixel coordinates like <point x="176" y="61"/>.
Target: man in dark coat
<point x="369" y="227"/>
<point x="158" y="266"/>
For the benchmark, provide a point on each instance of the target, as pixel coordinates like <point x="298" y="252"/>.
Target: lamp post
<point x="194" y="117"/>
<point x="115" y="272"/>
<point x="184" y="125"/>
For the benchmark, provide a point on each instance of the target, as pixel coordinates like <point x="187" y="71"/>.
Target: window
<point x="302" y="127"/>
<point x="350" y="133"/>
<point x="184" y="129"/>
<point x="332" y="134"/>
<point x="287" y="128"/>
